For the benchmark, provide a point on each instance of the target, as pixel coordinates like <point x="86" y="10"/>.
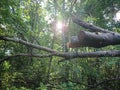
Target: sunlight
<point x="117" y="16"/>
<point x="59" y="26"/>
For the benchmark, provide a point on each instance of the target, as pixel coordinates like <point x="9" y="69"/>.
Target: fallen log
<point x="94" y="39"/>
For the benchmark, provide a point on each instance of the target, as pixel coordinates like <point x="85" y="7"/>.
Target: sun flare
<point x="59" y="25"/>
<point x="117" y="16"/>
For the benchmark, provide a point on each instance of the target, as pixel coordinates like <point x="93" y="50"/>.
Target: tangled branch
<point x="66" y="55"/>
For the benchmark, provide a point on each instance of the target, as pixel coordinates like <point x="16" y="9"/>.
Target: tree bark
<point x="69" y="55"/>
<point x="27" y="44"/>
<point x="66" y="55"/>
<point x="96" y="40"/>
<point x="91" y="27"/>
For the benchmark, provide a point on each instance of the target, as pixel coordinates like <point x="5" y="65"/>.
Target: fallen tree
<point x="97" y="37"/>
<point x="51" y="52"/>
<point x="93" y="39"/>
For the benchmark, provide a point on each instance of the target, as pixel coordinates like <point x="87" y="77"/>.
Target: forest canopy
<point x="59" y="45"/>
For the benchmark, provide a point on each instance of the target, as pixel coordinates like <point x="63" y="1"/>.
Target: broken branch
<point x="97" y="40"/>
<point x="67" y="55"/>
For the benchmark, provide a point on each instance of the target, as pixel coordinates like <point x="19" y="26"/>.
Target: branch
<point x="97" y="40"/>
<point x="67" y="55"/>
<point x="70" y="55"/>
<point x="93" y="28"/>
<point x="27" y="44"/>
<point x="112" y="53"/>
<point x="25" y="55"/>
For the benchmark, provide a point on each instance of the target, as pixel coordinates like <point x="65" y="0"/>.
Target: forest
<point x="59" y="44"/>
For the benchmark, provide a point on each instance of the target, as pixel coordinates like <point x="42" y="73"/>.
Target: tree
<point x="34" y="52"/>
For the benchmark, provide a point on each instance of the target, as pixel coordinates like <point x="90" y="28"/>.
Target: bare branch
<point x="67" y="55"/>
<point x="112" y="53"/>
<point x="70" y="55"/>
<point x="93" y="28"/>
<point x="26" y="55"/>
<point x="27" y="44"/>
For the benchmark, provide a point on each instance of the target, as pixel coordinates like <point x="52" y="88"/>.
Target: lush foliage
<point x="35" y="21"/>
